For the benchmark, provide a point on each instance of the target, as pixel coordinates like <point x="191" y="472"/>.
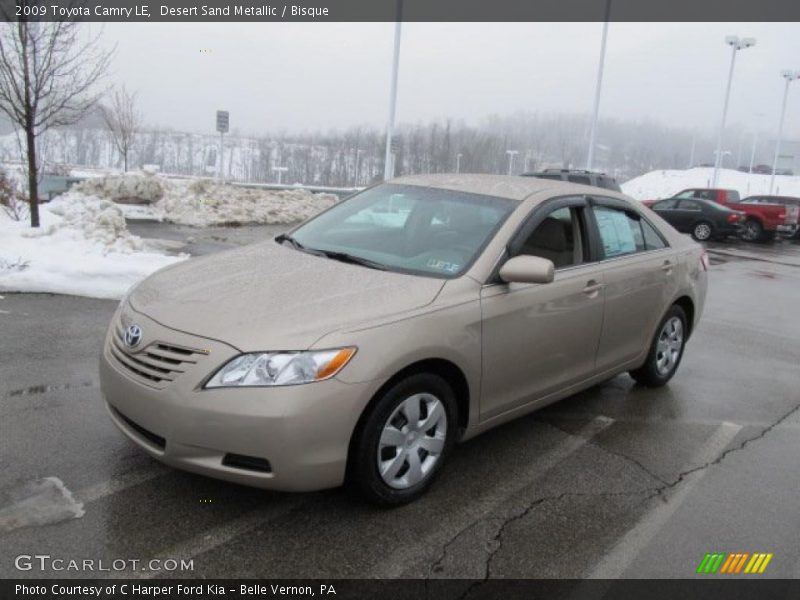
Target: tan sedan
<point x="361" y="346"/>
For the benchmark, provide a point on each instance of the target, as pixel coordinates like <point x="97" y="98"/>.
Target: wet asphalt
<point x="618" y="480"/>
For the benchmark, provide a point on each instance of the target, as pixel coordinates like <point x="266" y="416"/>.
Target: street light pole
<point x="736" y="44"/>
<point x="753" y="151"/>
<point x="511" y="155"/>
<point x="458" y="162"/>
<point x="789" y="76"/>
<point x="598" y="86"/>
<point x="388" y="164"/>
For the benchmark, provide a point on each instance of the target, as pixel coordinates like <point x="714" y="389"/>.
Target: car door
<point x="639" y="273"/>
<point x="687" y="214"/>
<point x="540" y="338"/>
<point x="667" y="210"/>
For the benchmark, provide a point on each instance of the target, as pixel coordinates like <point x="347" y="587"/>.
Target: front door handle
<point x="592" y="287"/>
<point x="667" y="267"/>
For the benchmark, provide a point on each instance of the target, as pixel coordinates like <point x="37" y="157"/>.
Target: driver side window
<point x="557" y="238"/>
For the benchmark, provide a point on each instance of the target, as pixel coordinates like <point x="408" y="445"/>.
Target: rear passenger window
<point x="620" y="232"/>
<point x="652" y="240"/>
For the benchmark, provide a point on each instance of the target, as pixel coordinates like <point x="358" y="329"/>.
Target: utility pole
<point x="597" y="88"/>
<point x="388" y="164"/>
<point x="789" y="76"/>
<point x="736" y="44"/>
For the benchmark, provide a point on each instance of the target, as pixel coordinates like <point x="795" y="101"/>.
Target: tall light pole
<point x="755" y="143"/>
<point x="597" y="88"/>
<point x="789" y="76"/>
<point x="511" y="155"/>
<point x="736" y="44"/>
<point x="388" y="164"/>
<point x="691" y="152"/>
<point x="458" y="162"/>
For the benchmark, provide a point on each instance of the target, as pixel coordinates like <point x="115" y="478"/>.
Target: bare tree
<point x="48" y="73"/>
<point x="123" y="120"/>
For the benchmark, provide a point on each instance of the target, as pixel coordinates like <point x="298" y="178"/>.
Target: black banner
<point x="732" y="588"/>
<point x="411" y="10"/>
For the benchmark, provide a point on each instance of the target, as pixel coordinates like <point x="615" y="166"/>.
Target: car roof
<point x="512" y="187"/>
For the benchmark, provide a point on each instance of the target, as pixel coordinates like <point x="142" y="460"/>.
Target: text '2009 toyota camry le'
<point x="367" y="341"/>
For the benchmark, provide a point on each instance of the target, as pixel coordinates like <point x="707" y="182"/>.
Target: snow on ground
<point x="202" y="202"/>
<point x="666" y="183"/>
<point x="82" y="248"/>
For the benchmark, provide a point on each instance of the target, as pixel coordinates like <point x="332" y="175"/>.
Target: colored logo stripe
<point x="734" y="562"/>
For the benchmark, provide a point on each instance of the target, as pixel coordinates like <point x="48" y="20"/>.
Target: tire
<point x="387" y="474"/>
<point x="665" y="352"/>
<point x="702" y="231"/>
<point x="752" y="231"/>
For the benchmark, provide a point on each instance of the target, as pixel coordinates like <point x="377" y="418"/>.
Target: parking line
<point x="216" y="536"/>
<point x="118" y="484"/>
<point x="398" y="562"/>
<point x="616" y="562"/>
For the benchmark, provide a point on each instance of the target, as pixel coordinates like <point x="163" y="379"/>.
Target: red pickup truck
<point x="763" y="222"/>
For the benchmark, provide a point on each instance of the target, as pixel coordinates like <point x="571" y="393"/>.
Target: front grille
<point x="153" y="438"/>
<point x="157" y="363"/>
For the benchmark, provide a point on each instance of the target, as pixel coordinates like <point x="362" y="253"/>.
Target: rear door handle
<point x="592" y="287"/>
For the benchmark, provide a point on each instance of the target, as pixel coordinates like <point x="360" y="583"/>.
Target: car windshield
<point x="406" y="228"/>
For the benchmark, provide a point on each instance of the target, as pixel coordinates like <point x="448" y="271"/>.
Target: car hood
<point x="271" y="297"/>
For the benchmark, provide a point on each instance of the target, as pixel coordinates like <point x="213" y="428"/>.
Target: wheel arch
<point x="444" y="368"/>
<point x="687" y="304"/>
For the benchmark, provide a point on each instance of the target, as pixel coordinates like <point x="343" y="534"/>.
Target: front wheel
<point x="405" y="439"/>
<point x="666" y="350"/>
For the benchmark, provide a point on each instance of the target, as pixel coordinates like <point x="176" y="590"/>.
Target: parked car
<point x="581" y="176"/>
<point x="361" y="350"/>
<point x="790" y="230"/>
<point x="763" y="221"/>
<point x="703" y="219"/>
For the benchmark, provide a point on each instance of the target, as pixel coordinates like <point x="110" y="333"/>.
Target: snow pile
<point x="82" y="247"/>
<point x="666" y="183"/>
<point x="135" y="188"/>
<point x="202" y="202"/>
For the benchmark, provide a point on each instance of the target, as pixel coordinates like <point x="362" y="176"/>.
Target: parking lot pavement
<point x="618" y="480"/>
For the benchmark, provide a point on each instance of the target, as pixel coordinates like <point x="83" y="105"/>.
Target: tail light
<point x="733" y="218"/>
<point x="705" y="261"/>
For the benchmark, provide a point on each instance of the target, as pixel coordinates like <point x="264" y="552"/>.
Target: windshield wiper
<point x="285" y="237"/>
<point x="349" y="258"/>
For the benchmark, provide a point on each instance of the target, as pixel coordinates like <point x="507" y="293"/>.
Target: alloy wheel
<point x="751" y="231"/>
<point x="702" y="231"/>
<point x="412" y="441"/>
<point x="669" y="346"/>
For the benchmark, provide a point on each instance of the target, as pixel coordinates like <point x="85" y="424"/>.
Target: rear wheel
<point x="666" y="350"/>
<point x="405" y="440"/>
<point x="702" y="231"/>
<point x="752" y="231"/>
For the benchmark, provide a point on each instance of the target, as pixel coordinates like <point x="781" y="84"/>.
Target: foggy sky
<point x="299" y="77"/>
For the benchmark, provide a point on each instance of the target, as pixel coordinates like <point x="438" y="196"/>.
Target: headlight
<point x="281" y="368"/>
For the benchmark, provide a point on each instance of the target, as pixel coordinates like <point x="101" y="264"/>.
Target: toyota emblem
<point x="133" y="335"/>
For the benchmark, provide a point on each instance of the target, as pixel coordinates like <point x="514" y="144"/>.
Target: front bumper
<point x="301" y="433"/>
<point x="787" y="229"/>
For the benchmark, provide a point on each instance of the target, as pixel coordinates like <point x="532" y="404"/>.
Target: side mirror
<point x="527" y="269"/>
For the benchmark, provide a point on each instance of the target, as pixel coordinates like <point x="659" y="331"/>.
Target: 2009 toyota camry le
<point x="363" y="344"/>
